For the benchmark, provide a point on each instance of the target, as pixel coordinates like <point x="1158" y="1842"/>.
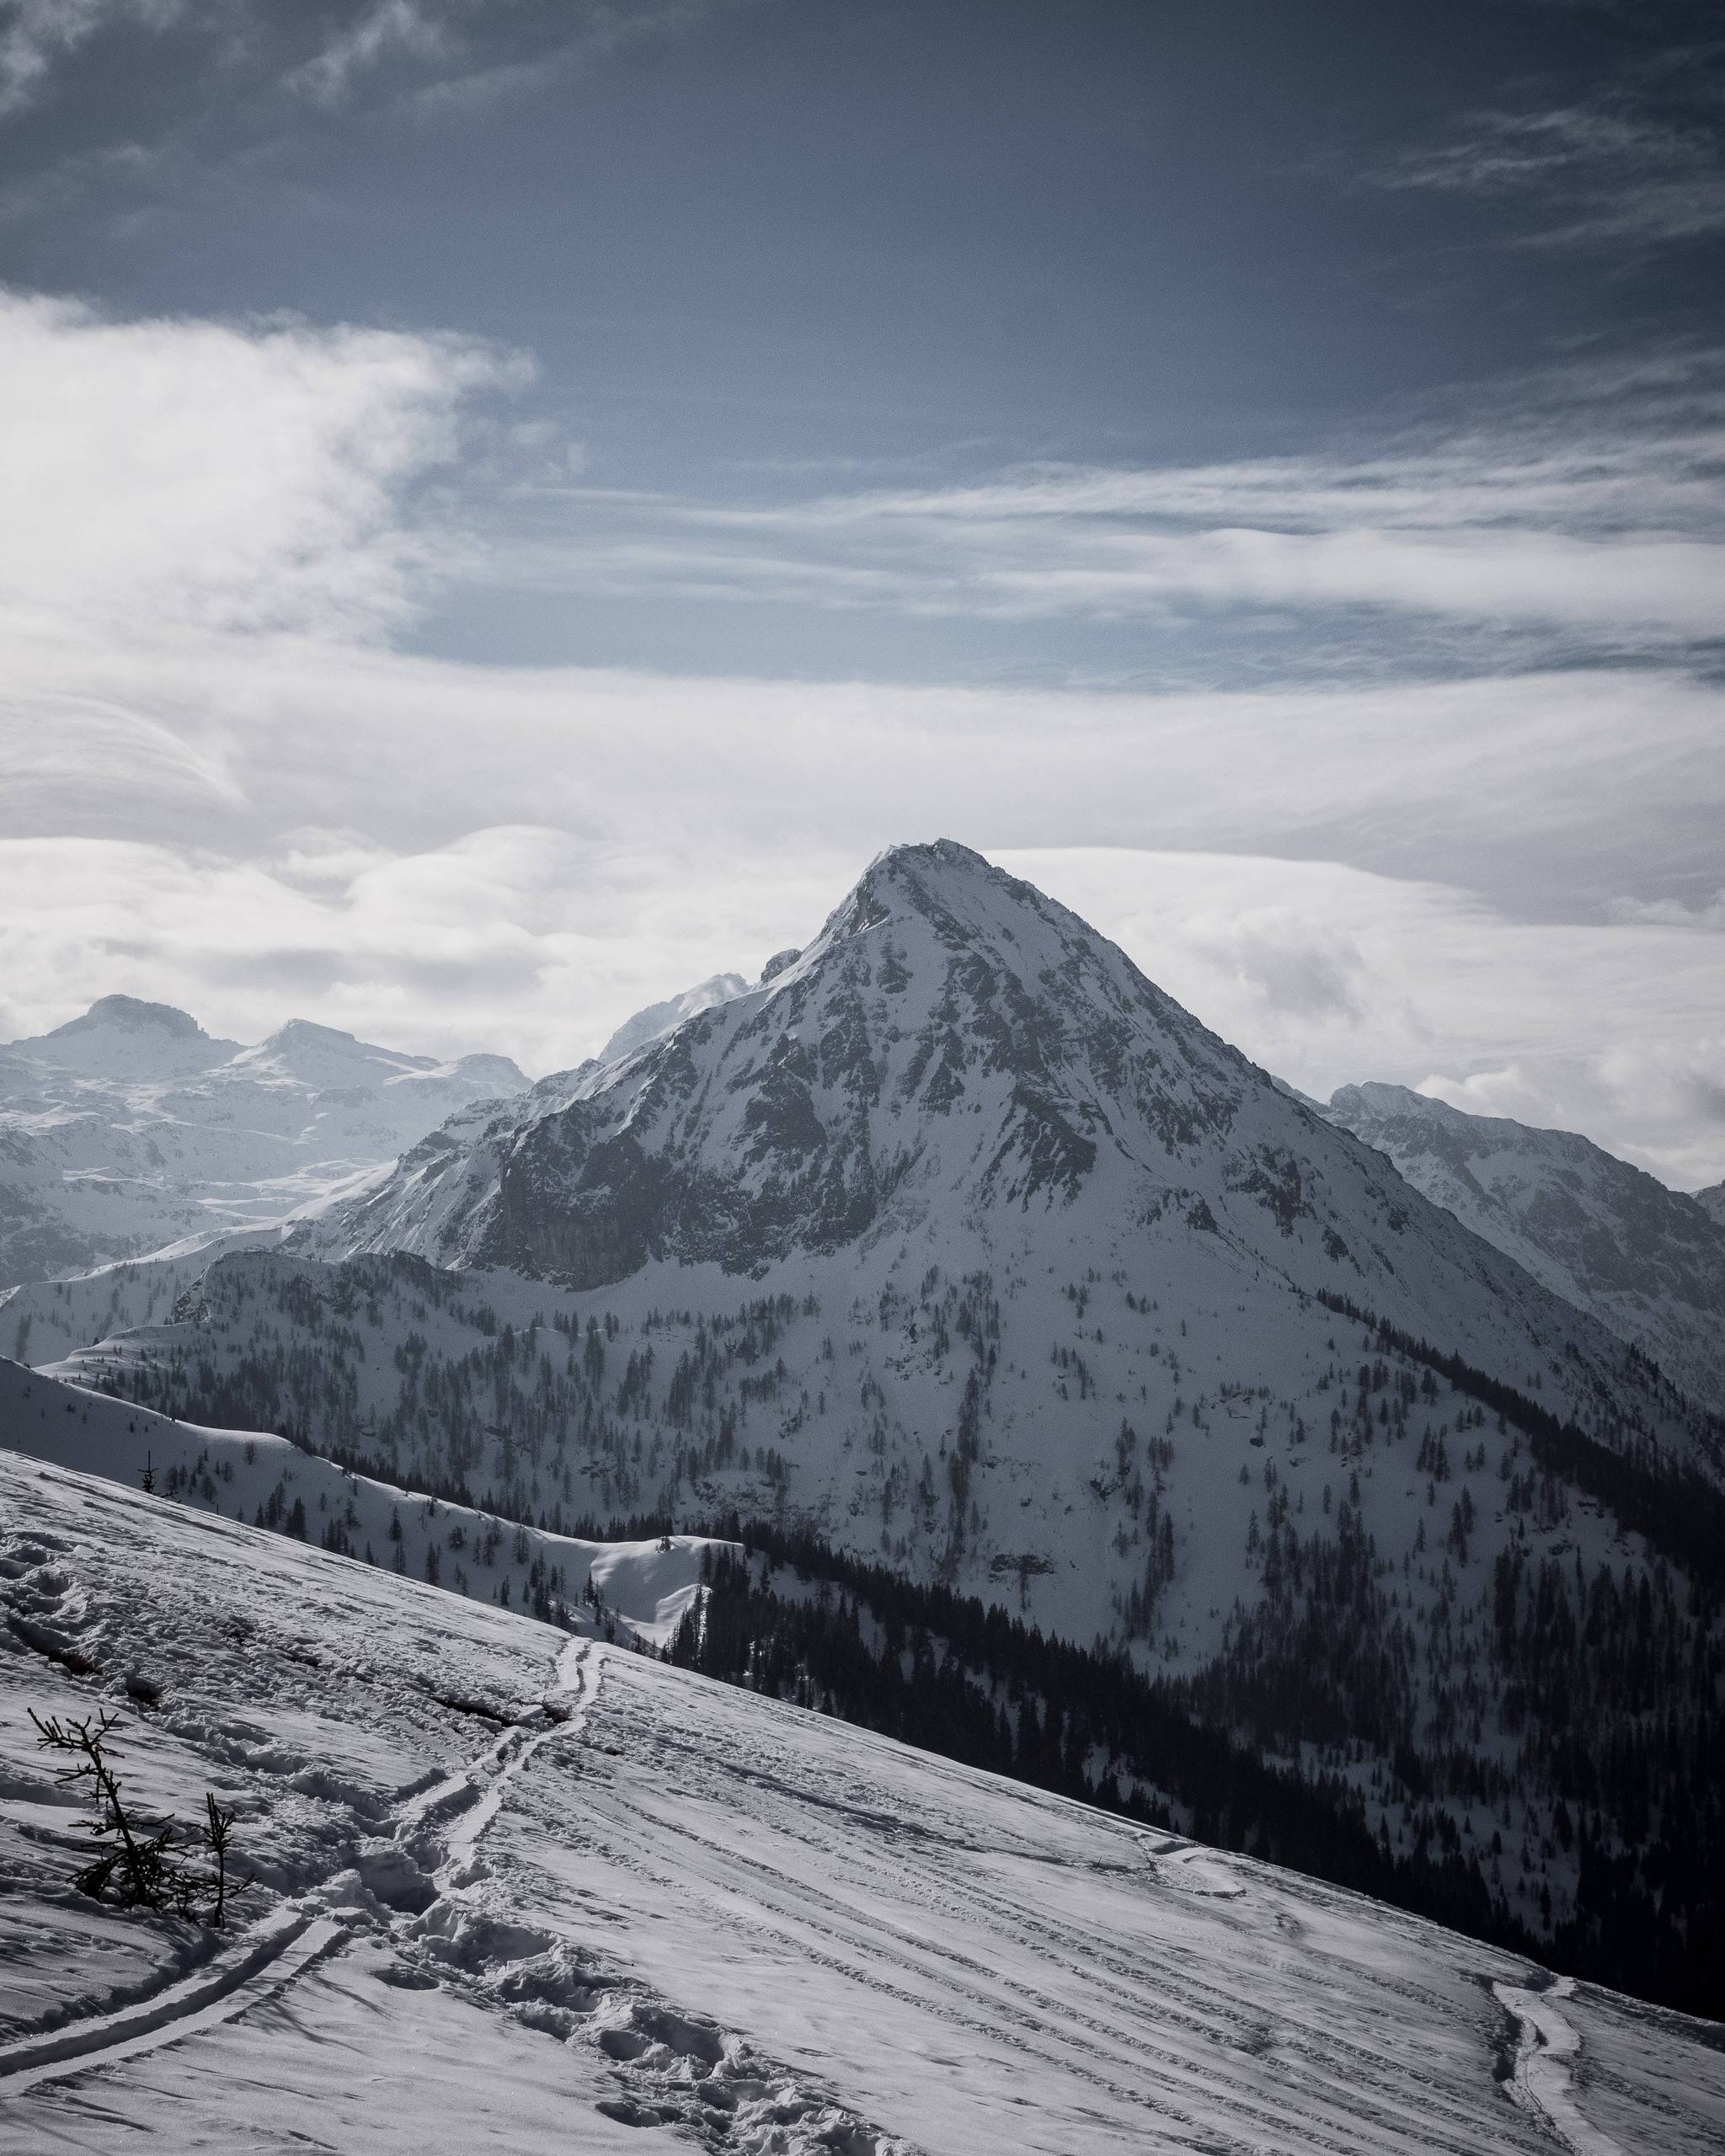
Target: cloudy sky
<point x="509" y="503"/>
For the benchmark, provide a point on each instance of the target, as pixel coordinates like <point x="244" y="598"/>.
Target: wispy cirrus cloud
<point x="439" y="56"/>
<point x="386" y="29"/>
<point x="1587" y="507"/>
<point x="1639" y="163"/>
<point x="583" y="35"/>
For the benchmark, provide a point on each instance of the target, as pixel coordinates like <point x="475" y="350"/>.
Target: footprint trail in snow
<point x="518" y="1891"/>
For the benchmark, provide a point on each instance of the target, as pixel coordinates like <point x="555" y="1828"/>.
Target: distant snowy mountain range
<point x="131" y="1128"/>
<point x="1648" y="1262"/>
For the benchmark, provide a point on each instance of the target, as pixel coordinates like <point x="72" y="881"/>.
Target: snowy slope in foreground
<point x="519" y="1892"/>
<point x="1646" y="1261"/>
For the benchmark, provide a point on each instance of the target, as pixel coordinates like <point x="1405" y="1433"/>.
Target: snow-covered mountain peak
<point x="131" y="1014"/>
<point x="952" y="890"/>
<point x="951" y="1038"/>
<point x="326" y="1059"/>
<point x="1401" y="1099"/>
<point x="320" y="1056"/>
<point x="305" y="1036"/>
<point x="914" y="907"/>
<point x="123" y="1037"/>
<point x="958" y="1077"/>
<point x="1372" y="1108"/>
<point x="658" y="1019"/>
<point x="1044" y="983"/>
<point x="500" y="1073"/>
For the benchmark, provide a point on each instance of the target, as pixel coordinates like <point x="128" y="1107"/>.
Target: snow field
<point x="571" y="1896"/>
<point x="356" y="1860"/>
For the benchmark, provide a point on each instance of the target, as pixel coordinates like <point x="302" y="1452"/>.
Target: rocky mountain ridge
<point x="658" y="1019"/>
<point x="954" y="1057"/>
<point x="1648" y="1262"/>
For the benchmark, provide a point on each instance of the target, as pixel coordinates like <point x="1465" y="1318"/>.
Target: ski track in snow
<point x="665" y="1912"/>
<point x="1104" y="2049"/>
<point x="273" y="1956"/>
<point x="660" y="2065"/>
<point x="1546" y="2050"/>
<point x="269" y="1956"/>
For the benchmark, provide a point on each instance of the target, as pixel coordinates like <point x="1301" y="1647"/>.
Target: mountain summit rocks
<point x="120" y="1037"/>
<point x="958" y="1073"/>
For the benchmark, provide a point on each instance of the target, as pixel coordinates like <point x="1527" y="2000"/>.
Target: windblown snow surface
<point x="520" y="1890"/>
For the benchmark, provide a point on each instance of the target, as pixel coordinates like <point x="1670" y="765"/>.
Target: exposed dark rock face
<point x="782" y="1119"/>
